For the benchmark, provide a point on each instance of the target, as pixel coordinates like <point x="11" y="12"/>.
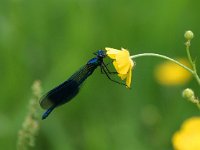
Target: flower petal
<point x="188" y="137"/>
<point x="111" y="52"/>
<point x="129" y="77"/>
<point x="123" y="61"/>
<point x="116" y="66"/>
<point x="122" y="76"/>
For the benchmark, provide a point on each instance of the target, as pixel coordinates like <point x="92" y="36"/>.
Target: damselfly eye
<point x="101" y="53"/>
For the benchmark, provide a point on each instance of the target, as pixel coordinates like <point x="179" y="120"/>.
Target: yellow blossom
<point x="188" y="137"/>
<point x="169" y="73"/>
<point x="122" y="63"/>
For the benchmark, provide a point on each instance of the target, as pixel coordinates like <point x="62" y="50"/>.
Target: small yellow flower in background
<point x="169" y="73"/>
<point x="122" y="63"/>
<point x="188" y="137"/>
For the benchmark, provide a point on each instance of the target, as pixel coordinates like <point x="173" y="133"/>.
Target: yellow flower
<point x="122" y="63"/>
<point x="169" y="73"/>
<point x="188" y="138"/>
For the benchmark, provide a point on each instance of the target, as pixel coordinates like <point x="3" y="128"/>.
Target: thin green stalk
<point x="165" y="57"/>
<point x="192" y="62"/>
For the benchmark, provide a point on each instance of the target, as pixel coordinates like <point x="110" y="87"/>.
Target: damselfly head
<point x="100" y="53"/>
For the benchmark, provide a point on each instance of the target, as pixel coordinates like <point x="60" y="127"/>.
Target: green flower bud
<point x="189" y="35"/>
<point x="188" y="94"/>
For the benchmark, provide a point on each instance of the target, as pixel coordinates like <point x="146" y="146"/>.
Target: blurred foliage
<point x="49" y="40"/>
<point x="30" y="126"/>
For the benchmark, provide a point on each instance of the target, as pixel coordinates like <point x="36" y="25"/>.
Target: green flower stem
<point x="192" y="62"/>
<point x="165" y="57"/>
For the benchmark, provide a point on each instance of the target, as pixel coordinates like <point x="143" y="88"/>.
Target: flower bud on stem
<point x="189" y="95"/>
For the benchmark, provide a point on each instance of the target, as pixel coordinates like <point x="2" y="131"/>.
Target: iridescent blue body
<point x="70" y="88"/>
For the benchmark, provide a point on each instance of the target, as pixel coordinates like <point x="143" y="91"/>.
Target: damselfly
<point x="64" y="92"/>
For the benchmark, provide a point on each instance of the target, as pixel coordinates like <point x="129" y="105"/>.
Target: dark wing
<point x="68" y="89"/>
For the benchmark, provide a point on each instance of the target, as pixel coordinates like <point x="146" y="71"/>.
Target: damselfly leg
<point x="108" y="71"/>
<point x="105" y="70"/>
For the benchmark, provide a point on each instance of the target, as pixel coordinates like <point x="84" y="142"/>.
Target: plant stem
<point x="192" y="62"/>
<point x="165" y="57"/>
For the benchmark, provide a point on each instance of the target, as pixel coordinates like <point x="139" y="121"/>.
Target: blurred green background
<point x="50" y="39"/>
